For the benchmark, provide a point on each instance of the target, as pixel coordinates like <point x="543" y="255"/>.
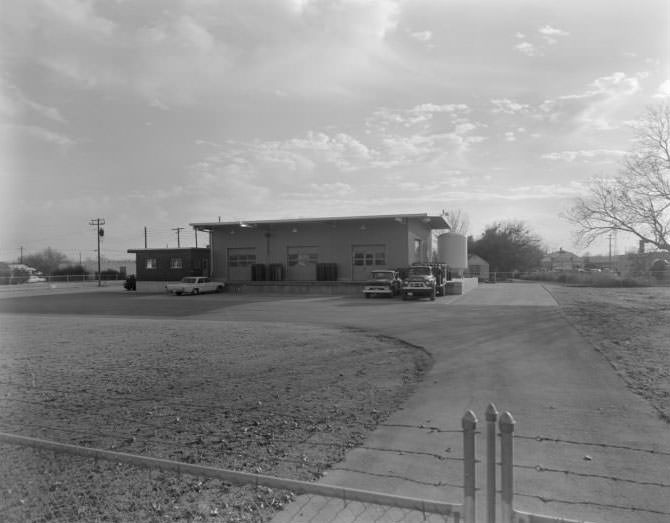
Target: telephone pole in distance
<point x="178" y="229"/>
<point x="97" y="222"/>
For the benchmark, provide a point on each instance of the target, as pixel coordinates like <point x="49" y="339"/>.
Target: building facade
<point x="478" y="267"/>
<point x="341" y="248"/>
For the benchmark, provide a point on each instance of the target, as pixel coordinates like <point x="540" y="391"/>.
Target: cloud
<point x="590" y="156"/>
<point x="46" y="135"/>
<point x="549" y="34"/>
<point x="597" y="106"/>
<point x="422" y="36"/>
<point x="663" y="90"/>
<point x="14" y="104"/>
<point x="528" y="49"/>
<point x="507" y="106"/>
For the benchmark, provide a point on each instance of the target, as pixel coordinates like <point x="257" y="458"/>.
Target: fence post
<point x="491" y="418"/>
<point x="507" y="473"/>
<point x="469" y="423"/>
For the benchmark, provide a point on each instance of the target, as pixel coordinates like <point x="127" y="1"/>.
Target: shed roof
<point x="433" y="221"/>
<point x="168" y="249"/>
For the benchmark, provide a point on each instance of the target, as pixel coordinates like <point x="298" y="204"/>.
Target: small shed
<point x="171" y="264"/>
<point x="478" y="267"/>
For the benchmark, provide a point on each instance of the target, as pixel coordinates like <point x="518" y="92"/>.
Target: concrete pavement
<point x="507" y="344"/>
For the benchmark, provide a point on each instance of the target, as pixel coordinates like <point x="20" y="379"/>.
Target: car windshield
<point x="188" y="280"/>
<point x="420" y="271"/>
<point x="382" y="275"/>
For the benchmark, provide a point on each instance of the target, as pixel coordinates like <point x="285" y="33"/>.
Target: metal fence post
<point x="469" y="423"/>
<point x="507" y="473"/>
<point x="491" y="418"/>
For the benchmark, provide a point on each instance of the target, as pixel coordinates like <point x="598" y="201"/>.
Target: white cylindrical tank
<point x="452" y="249"/>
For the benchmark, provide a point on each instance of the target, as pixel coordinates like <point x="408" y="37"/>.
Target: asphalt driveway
<point x="507" y="344"/>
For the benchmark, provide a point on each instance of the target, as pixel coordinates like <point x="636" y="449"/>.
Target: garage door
<point x="301" y="262"/>
<point x="366" y="258"/>
<point x="240" y="261"/>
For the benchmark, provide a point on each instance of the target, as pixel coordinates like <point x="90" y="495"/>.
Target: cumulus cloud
<point x="549" y="34"/>
<point x="663" y="90"/>
<point x="527" y="48"/>
<point x="507" y="106"/>
<point x="597" y="105"/>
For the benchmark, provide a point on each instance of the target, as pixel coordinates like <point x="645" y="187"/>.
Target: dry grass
<point x="268" y="398"/>
<point x="631" y="328"/>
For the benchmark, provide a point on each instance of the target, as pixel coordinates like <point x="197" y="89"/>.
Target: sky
<point x="162" y="113"/>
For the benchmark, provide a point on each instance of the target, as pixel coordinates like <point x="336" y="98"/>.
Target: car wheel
<point x="219" y="288"/>
<point x="367" y="295"/>
<point x="196" y="291"/>
<point x="178" y="293"/>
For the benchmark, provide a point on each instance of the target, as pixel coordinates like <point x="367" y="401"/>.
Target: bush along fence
<point x="328" y="503"/>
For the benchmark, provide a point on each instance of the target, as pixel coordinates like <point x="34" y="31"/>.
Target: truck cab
<point x="424" y="281"/>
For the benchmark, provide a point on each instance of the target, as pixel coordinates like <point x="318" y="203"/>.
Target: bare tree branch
<point x="638" y="200"/>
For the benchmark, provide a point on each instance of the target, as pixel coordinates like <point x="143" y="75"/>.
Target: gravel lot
<point x="267" y="398"/>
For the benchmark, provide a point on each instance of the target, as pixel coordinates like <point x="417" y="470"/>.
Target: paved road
<point x="506" y="343"/>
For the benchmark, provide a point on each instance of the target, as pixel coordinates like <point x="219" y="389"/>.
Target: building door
<point x="301" y="263"/>
<point x="366" y="258"/>
<point x="240" y="260"/>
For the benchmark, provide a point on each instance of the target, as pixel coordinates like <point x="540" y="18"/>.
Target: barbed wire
<point x="398" y="476"/>
<point x="546" y="439"/>
<point x="160" y="495"/>
<point x="542" y="468"/>
<point x="597" y="504"/>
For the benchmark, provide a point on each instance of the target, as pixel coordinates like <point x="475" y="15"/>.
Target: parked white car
<point x="194" y="285"/>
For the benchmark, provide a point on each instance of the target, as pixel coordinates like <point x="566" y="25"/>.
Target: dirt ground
<point x="630" y="327"/>
<point x="266" y="398"/>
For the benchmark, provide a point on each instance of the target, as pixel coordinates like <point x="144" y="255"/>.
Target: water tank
<point x="452" y="249"/>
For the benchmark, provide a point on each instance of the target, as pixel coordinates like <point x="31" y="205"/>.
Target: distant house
<point x="478" y="267"/>
<point x="171" y="264"/>
<point x="561" y="261"/>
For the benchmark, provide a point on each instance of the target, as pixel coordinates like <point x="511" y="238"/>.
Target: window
<point x="176" y="263"/>
<point x="151" y="263"/>
<point x="369" y="255"/>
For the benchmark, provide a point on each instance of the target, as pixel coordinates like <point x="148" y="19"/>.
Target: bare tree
<point x="458" y="221"/>
<point x="638" y="200"/>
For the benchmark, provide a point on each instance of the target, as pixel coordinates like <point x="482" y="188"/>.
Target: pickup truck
<point x="382" y="283"/>
<point x="425" y="281"/>
<point x="194" y="285"/>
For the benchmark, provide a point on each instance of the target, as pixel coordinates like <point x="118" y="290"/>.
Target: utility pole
<point x="196" y="238"/>
<point x="101" y="232"/>
<point x="21" y="258"/>
<point x="178" y="229"/>
<point x="610" y="257"/>
<point x="145" y="236"/>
